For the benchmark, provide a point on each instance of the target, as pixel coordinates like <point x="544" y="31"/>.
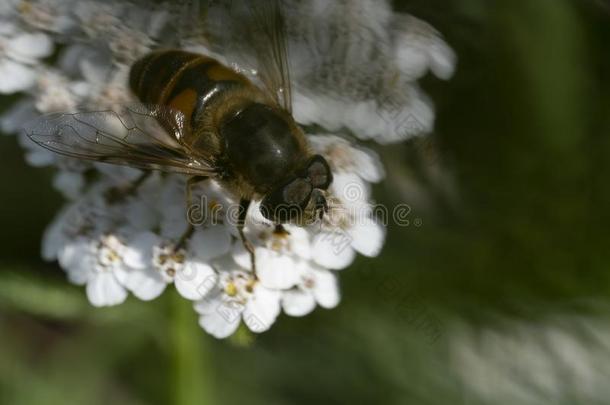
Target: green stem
<point x="191" y="362"/>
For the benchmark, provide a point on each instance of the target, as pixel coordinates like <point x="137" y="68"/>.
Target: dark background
<point x="512" y="195"/>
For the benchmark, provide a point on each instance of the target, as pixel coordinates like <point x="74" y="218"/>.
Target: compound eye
<point x="318" y="172"/>
<point x="287" y="202"/>
<point x="297" y="192"/>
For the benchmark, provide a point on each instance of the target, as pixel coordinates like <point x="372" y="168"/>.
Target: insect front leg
<point x="241" y="222"/>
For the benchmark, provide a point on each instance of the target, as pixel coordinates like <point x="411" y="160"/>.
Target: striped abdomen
<point x="185" y="81"/>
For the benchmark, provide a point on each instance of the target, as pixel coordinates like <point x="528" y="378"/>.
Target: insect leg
<point x="241" y="221"/>
<point x="141" y="179"/>
<point x="280" y="230"/>
<point x="184" y="237"/>
<point x="190" y="183"/>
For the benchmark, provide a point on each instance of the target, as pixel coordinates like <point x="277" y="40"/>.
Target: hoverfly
<point x="204" y="119"/>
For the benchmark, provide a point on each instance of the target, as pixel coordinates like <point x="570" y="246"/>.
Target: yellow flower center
<point x="231" y="289"/>
<point x="112" y="256"/>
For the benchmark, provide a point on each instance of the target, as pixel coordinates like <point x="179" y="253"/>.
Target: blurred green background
<point x="513" y="247"/>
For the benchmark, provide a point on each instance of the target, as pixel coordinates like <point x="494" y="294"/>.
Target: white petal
<point x="140" y="212"/>
<point x="410" y="118"/>
<point x="195" y="280"/>
<point x="297" y="302"/>
<point x="255" y="217"/>
<point x="138" y="253"/>
<point x="261" y="309"/>
<point x="15" y="77"/>
<point x="276" y="270"/>
<point x="333" y="250"/>
<point x="352" y="190"/>
<point x="442" y="59"/>
<point x="146" y="284"/>
<point x="121" y="273"/>
<point x="226" y="264"/>
<point x="158" y="21"/>
<point x="305" y="108"/>
<point x="104" y="290"/>
<point x="368" y="236"/>
<point x="27" y="48"/>
<point x="140" y="215"/>
<point x="208" y="243"/>
<point x="217" y="325"/>
<point x="70" y="184"/>
<point x="75" y="254"/>
<point x="174" y="223"/>
<point x="218" y="318"/>
<point x="40" y="158"/>
<point x="419" y="47"/>
<point x="73" y="55"/>
<point x="241" y="256"/>
<point x="299" y="242"/>
<point x="412" y="60"/>
<point x="210" y="302"/>
<point x="91" y="68"/>
<point x="368" y="164"/>
<point x="80" y="275"/>
<point x="326" y="290"/>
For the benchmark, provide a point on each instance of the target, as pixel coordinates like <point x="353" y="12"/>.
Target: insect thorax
<point x="261" y="146"/>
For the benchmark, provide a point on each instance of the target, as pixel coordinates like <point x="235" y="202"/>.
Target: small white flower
<point x="418" y="47"/>
<point x="55" y="93"/>
<point x="316" y="285"/>
<point x="349" y="227"/>
<point x="88" y="217"/>
<point x="278" y="252"/>
<point x="111" y="92"/>
<point x="98" y="18"/>
<point x="19" y="55"/>
<point x="98" y="264"/>
<point x="156" y="263"/>
<point x="47" y="15"/>
<point x="128" y="45"/>
<point x="238" y="296"/>
<point x="95" y="214"/>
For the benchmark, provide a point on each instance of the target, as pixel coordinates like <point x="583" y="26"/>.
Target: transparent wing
<point x="138" y="135"/>
<point x="252" y="36"/>
<point x="341" y="49"/>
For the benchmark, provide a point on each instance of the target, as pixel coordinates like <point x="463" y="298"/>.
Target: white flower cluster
<point x="124" y="231"/>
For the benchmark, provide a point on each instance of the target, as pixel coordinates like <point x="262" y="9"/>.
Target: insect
<point x="206" y="120"/>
